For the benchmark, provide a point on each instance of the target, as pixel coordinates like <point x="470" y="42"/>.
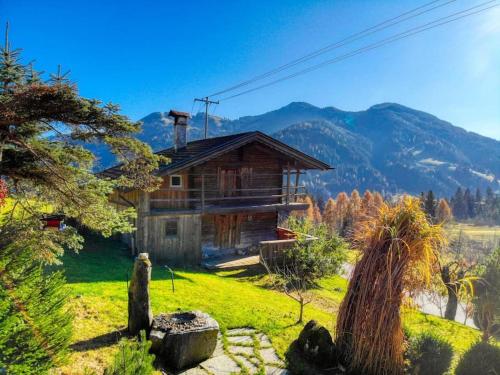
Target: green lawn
<point x="238" y="298"/>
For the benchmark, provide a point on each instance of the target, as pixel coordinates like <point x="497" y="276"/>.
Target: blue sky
<point x="155" y="55"/>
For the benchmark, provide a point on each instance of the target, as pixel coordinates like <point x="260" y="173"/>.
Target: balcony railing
<point x="272" y="252"/>
<point x="238" y="189"/>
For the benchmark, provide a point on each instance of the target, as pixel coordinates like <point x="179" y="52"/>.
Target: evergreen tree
<point x="459" y="208"/>
<point x="430" y="204"/>
<point x="478" y="201"/>
<point x="55" y="172"/>
<point x="469" y="204"/>
<point x="35" y="324"/>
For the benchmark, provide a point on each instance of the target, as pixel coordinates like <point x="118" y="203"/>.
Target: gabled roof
<point x="200" y="151"/>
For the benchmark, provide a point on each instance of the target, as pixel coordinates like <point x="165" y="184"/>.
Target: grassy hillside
<point x="98" y="281"/>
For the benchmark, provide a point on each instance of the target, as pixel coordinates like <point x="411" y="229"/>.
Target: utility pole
<point x="207" y="103"/>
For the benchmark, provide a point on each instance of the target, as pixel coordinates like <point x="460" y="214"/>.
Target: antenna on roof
<point x="207" y="104"/>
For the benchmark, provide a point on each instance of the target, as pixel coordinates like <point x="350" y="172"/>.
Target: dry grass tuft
<point x="399" y="252"/>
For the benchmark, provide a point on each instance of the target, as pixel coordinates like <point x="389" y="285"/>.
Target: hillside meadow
<point x="97" y="280"/>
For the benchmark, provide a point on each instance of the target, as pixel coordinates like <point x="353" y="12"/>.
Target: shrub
<point x="482" y="358"/>
<point x="428" y="354"/>
<point x="132" y="358"/>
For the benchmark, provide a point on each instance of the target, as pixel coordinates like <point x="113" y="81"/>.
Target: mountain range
<point x="388" y="147"/>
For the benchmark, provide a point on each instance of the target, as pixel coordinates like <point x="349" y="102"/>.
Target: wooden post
<point x="288" y="184"/>
<point x="297" y="177"/>
<point x="202" y="193"/>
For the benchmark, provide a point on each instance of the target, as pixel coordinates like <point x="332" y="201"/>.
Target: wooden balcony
<point x="213" y="193"/>
<point x="272" y="252"/>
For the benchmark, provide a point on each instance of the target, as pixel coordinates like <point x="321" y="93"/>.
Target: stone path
<point x="241" y="350"/>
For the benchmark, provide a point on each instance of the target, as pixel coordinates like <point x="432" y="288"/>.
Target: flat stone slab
<point x="271" y="370"/>
<point x="247" y="340"/>
<point x="252" y="369"/>
<point x="194" y="371"/>
<point x="241" y="346"/>
<point x="264" y="340"/>
<point x="269" y="356"/>
<point x="241" y="331"/>
<point x="222" y="364"/>
<point x="241" y="349"/>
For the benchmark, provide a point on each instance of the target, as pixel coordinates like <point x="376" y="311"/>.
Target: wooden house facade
<point x="218" y="195"/>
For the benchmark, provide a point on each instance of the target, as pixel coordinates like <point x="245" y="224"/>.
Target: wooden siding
<point x="182" y="249"/>
<point x="258" y="169"/>
<point x="252" y="229"/>
<point x="177" y="195"/>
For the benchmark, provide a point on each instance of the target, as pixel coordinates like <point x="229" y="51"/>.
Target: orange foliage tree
<point x="443" y="212"/>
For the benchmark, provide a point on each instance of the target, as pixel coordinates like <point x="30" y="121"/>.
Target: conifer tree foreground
<point x="43" y="167"/>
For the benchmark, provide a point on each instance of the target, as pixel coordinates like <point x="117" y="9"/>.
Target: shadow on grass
<point x="241" y="272"/>
<point x="106" y="260"/>
<point x="98" y="342"/>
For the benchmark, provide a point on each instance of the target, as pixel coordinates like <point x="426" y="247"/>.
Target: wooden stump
<point x="140" y="315"/>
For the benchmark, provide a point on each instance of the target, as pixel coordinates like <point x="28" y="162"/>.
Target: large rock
<point x="183" y="339"/>
<point x="316" y="345"/>
<point x="140" y="314"/>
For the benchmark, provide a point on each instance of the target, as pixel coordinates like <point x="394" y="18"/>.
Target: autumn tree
<point x="378" y="200"/>
<point x="329" y="215"/>
<point x="317" y="217"/>
<point x="43" y="125"/>
<point x="309" y="215"/>
<point x="354" y="209"/>
<point x="368" y="204"/>
<point x="443" y="212"/>
<point x="341" y="210"/>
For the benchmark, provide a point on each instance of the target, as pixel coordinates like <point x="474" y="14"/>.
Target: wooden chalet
<point x="218" y="196"/>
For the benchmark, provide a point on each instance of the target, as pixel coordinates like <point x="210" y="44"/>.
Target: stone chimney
<point x="180" y="128"/>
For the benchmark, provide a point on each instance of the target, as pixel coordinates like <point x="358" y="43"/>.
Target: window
<point x="171" y="228"/>
<point x="175" y="181"/>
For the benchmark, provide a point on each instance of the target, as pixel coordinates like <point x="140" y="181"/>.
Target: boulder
<point x="183" y="339"/>
<point x="316" y="345"/>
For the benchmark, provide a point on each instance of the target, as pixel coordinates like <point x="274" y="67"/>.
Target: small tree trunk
<point x="140" y="315"/>
<point x="301" y="315"/>
<point x="452" y="290"/>
<point x="452" y="303"/>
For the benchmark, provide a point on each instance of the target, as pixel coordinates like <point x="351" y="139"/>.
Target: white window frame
<point x="180" y="179"/>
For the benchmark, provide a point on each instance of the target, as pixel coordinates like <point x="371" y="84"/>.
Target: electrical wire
<point x="348" y="40"/>
<point x="383" y="42"/>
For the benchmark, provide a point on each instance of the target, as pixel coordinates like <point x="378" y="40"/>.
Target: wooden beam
<point x="297" y="177"/>
<point x="288" y="184"/>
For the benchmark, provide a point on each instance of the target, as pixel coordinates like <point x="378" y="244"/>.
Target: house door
<point x="229" y="182"/>
<point x="227" y="231"/>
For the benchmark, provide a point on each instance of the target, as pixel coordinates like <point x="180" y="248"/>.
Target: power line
<point x="348" y="40"/>
<point x="207" y="102"/>
<point x="392" y="39"/>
